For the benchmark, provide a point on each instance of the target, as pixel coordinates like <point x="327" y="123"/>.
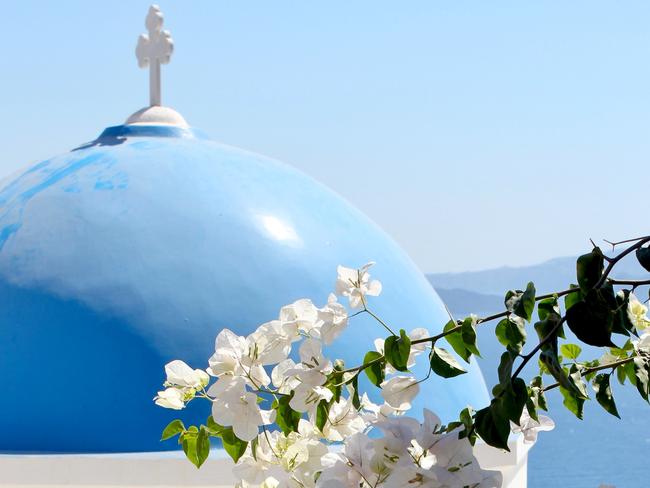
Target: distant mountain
<point x="552" y="275"/>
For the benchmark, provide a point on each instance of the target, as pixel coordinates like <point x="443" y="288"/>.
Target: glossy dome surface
<point x="138" y="248"/>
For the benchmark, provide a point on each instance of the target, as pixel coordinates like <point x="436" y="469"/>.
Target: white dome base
<point x="167" y="469"/>
<point x="157" y="115"/>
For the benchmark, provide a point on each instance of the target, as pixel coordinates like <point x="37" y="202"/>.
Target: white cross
<point x="154" y="49"/>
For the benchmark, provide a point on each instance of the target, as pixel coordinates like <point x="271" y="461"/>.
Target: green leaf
<point x="492" y="426"/>
<point x="526" y="303"/>
<point x="214" y="428"/>
<point x="505" y="367"/>
<point x="589" y="269"/>
<point x="571" y="351"/>
<point x="356" y="401"/>
<point x="622" y="323"/>
<point x="643" y="256"/>
<point x="572" y="298"/>
<point x="591" y="319"/>
<point x="444" y="364"/>
<point x="286" y="418"/>
<point x="466" y="420"/>
<point x="641" y="375"/>
<point x="604" y="394"/>
<point x="189" y="448"/>
<point x="397" y="350"/>
<point x="573" y="402"/>
<point x="455" y="340"/>
<point x="202" y="446"/>
<point x="538" y="395"/>
<point x="552" y="363"/>
<point x="511" y="332"/>
<point x="468" y="334"/>
<point x="322" y="413"/>
<point x="546" y="307"/>
<point x="175" y="427"/>
<point x="234" y="446"/>
<point x="375" y="371"/>
<point x="513" y="400"/>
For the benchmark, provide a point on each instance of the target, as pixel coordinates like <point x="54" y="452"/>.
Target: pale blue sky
<point x="476" y="133"/>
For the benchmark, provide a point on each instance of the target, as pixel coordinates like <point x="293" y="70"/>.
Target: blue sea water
<point x="601" y="449"/>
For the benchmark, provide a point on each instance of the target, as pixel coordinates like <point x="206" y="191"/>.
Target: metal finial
<point x="154" y="49"/>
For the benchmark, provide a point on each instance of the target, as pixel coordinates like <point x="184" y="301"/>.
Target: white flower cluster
<point x="254" y="374"/>
<point x="637" y="312"/>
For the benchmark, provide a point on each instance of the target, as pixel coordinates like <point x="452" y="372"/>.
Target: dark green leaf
<point x="455" y="340"/>
<point x="444" y="364"/>
<point x="175" y="427"/>
<point x="641" y="376"/>
<point x="492" y="427"/>
<point x="589" y="269"/>
<point x="591" y="319"/>
<point x="375" y="371"/>
<point x="526" y="304"/>
<point x="643" y="256"/>
<point x="604" y="394"/>
<point x="511" y="332"/>
<point x="513" y="400"/>
<point x="468" y="334"/>
<point x="622" y="323"/>
<point x="546" y="307"/>
<point x="397" y="350"/>
<point x="286" y="418"/>
<point x="572" y="298"/>
<point x="356" y="401"/>
<point x="572" y="401"/>
<point x="322" y="414"/>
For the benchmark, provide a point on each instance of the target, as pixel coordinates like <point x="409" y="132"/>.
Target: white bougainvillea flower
<point x="343" y="420"/>
<point x="306" y="397"/>
<point x="637" y="313"/>
<point x="356" y="285"/>
<point x="229" y="351"/>
<point x="643" y="343"/>
<point x="300" y="316"/>
<point x="170" y="398"/>
<point x="180" y="374"/>
<point x="233" y="406"/>
<point x="333" y="320"/>
<point x="357" y="461"/>
<point x="282" y="381"/>
<point x="399" y="391"/>
<point x="529" y="427"/>
<point x="269" y="344"/>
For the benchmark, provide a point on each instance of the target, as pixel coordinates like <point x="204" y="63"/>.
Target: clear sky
<point x="476" y="133"/>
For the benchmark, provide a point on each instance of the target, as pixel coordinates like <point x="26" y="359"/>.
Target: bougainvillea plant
<point x="305" y="423"/>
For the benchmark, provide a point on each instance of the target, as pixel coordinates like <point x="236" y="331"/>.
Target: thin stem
<point x="632" y="283"/>
<point x="587" y="371"/>
<point x="612" y="261"/>
<point x="531" y="354"/>
<point x="378" y="320"/>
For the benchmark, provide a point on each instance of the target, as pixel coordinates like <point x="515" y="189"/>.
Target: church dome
<point x="138" y="248"/>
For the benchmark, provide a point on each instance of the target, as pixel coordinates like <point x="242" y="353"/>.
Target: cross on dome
<point x="154" y="49"/>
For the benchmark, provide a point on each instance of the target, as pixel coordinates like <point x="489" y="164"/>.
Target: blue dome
<point x="138" y="248"/>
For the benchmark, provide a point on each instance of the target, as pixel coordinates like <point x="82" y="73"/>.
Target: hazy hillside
<point x="551" y="275"/>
